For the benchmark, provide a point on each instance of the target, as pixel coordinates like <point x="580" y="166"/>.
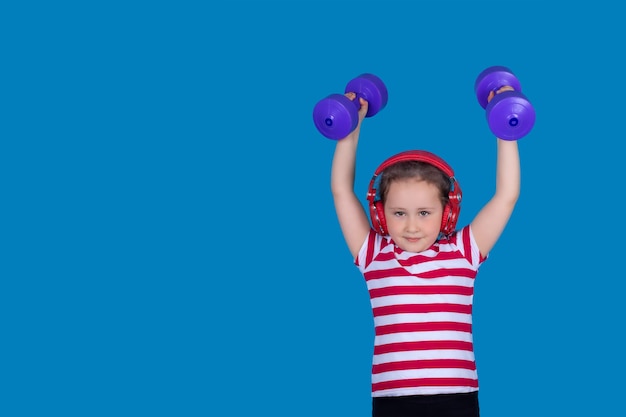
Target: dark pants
<point x="440" y="405"/>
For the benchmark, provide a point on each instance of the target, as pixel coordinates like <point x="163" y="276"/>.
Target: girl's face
<point x="413" y="213"/>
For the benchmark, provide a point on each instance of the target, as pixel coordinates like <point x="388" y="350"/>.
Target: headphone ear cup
<point x="451" y="211"/>
<point x="378" y="218"/>
<point x="445" y="220"/>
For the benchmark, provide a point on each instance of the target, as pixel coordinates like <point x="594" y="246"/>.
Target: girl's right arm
<point x="350" y="213"/>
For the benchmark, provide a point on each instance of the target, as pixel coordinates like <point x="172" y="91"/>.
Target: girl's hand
<point x="364" y="105"/>
<point x="498" y="91"/>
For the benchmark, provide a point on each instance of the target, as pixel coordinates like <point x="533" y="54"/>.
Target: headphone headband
<point x="451" y="210"/>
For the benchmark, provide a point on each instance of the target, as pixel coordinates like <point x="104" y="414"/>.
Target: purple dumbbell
<point x="509" y="114"/>
<point x="336" y="115"/>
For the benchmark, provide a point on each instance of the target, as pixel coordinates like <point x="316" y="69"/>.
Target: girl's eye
<point x="398" y="213"/>
<point x="424" y="213"/>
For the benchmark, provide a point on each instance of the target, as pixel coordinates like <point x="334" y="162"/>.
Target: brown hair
<point x="415" y="169"/>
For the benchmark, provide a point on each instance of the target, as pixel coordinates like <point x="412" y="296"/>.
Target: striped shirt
<point x="422" y="308"/>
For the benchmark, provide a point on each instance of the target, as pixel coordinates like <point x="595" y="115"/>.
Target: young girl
<point x="420" y="271"/>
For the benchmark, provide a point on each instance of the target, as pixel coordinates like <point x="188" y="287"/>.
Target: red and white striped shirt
<point x="422" y="308"/>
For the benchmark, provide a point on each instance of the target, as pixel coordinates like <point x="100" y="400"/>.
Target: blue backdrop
<point x="169" y="243"/>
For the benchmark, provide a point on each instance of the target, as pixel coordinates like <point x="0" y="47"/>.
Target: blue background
<point x="169" y="243"/>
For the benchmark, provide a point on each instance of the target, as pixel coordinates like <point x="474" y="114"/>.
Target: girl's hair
<point x="415" y="169"/>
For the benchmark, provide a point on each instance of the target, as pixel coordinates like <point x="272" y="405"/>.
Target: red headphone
<point x="450" y="211"/>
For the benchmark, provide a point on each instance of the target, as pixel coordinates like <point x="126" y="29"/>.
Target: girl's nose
<point x="413" y="225"/>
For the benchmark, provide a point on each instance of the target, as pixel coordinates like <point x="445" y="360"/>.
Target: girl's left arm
<point x="491" y="220"/>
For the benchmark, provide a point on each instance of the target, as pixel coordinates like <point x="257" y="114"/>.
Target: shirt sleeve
<point x="367" y="252"/>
